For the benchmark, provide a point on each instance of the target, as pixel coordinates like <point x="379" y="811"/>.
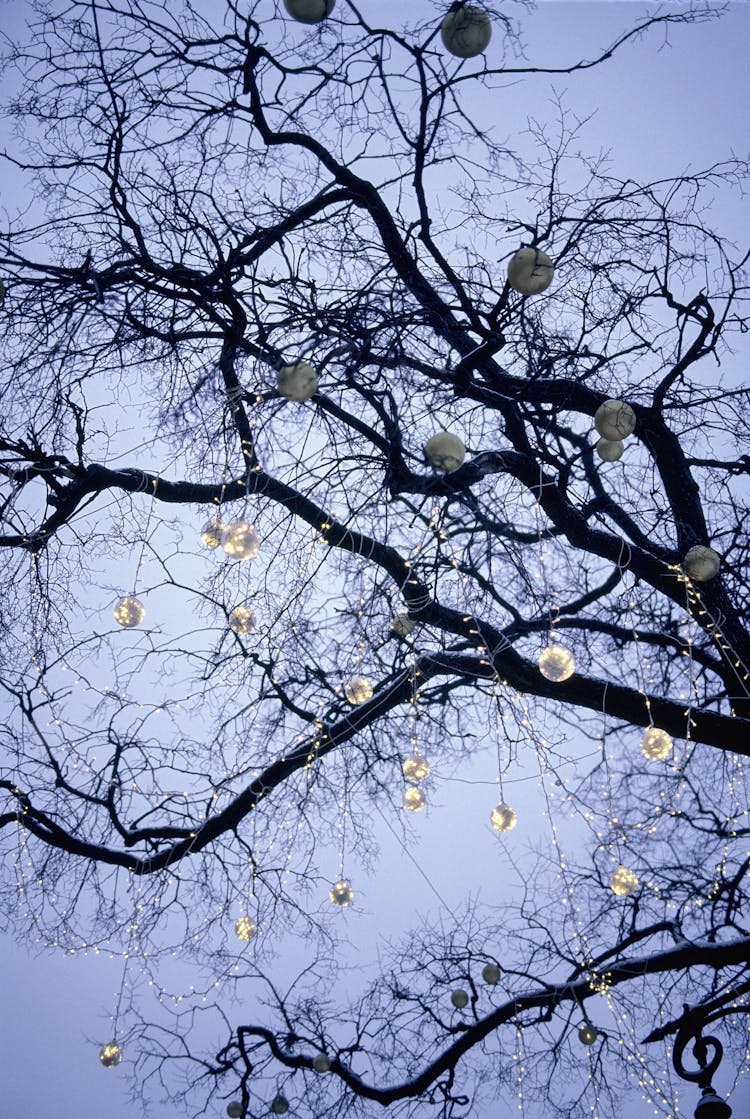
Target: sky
<point x="660" y="108"/>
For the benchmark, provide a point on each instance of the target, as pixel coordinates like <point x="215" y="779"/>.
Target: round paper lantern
<point x="341" y="893"/>
<point x="656" y="745"/>
<point x="129" y="612"/>
<point x="623" y="882"/>
<point x="491" y="974"/>
<point x="212" y="534"/>
<point x="279" y="1105"/>
<point x="587" y="1034"/>
<point x="503" y="818"/>
<point x="241" y="541"/>
<point x="110" y="1055"/>
<point x="530" y="271"/>
<point x="242" y="620"/>
<point x="402" y="625"/>
<point x="609" y="450"/>
<point x="234" y="1109"/>
<point x="414" y="799"/>
<point x="466" y="32"/>
<point x="297" y="382"/>
<point x="309" y="11"/>
<point x="358" y="690"/>
<point x="701" y="563"/>
<point x="415" y="768"/>
<point x="556" y="663"/>
<point x="445" y="452"/>
<point x="459" y="998"/>
<point x="245" y="928"/>
<point x="614" y="419"/>
<point x="321" y="1062"/>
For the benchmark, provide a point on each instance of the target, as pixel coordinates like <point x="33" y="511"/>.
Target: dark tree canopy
<point x="257" y="267"/>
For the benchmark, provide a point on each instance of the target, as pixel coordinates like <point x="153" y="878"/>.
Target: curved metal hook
<point x="707" y="1051"/>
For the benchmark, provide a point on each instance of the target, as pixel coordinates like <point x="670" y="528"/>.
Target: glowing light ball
<point x="656" y="745"/>
<point x="556" y="663"/>
<point x="614" y="419"/>
<point x="241" y="541"/>
<point x="624" y="882"/>
<point x="609" y="450"/>
<point x="445" y="452"/>
<point x="402" y="625"/>
<point x="309" y="11"/>
<point x="279" y="1105"/>
<point x="530" y="271"/>
<point x="242" y="620"/>
<point x="701" y="563"/>
<point x="129" y="612"/>
<point x="459" y="998"/>
<point x="358" y="690"/>
<point x="415" y="768"/>
<point x="414" y="799"/>
<point x="297" y="382"/>
<point x="491" y="974"/>
<point x="110" y="1055"/>
<point x="245" y="928"/>
<point x="234" y="1109"/>
<point x="212" y="534"/>
<point x="503" y="818"/>
<point x="341" y="893"/>
<point x="587" y="1034"/>
<point x="466" y="32"/>
<point x="321" y="1062"/>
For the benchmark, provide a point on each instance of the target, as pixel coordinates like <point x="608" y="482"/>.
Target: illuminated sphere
<point x="614" y="419"/>
<point x="234" y="1109"/>
<point x="491" y="974"/>
<point x="445" y="452"/>
<point x="587" y="1034"/>
<point x="459" y="998"/>
<point x="656" y="745"/>
<point x="415" y="768"/>
<point x="556" y="663"/>
<point x="321" y="1062"/>
<point x="358" y="690"/>
<point x="279" y="1105"/>
<point x="701" y="563"/>
<point x="242" y="620"/>
<point x="414" y="799"/>
<point x="623" y="882"/>
<point x="309" y="11"/>
<point x="503" y="818"/>
<point x="212" y="534"/>
<point x="466" y="32"/>
<point x="110" y="1055"/>
<point x="609" y="450"/>
<point x="530" y="271"/>
<point x="402" y="625"/>
<point x="297" y="382"/>
<point x="241" y="541"/>
<point x="129" y="612"/>
<point x="245" y="928"/>
<point x="341" y="893"/>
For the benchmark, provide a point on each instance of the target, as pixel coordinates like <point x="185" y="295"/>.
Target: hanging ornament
<point x="701" y="563"/>
<point x="609" y="450"/>
<point x="614" y="420"/>
<point x="212" y="533"/>
<point x="491" y="974"/>
<point x="587" y="1034"/>
<point x="321" y="1062"/>
<point x="415" y="768"/>
<point x="358" y="690"/>
<point x="556" y="663"/>
<point x="530" y="271"/>
<point x="445" y="452"/>
<point x="414" y="799"/>
<point x="656" y="745"/>
<point x="623" y="882"/>
<point x="503" y="818"/>
<point x="241" y="541"/>
<point x="459" y="998"/>
<point x="402" y="625"/>
<point x="234" y="1109"/>
<point x="110" y="1055"/>
<point x="242" y="620"/>
<point x="309" y="11"/>
<point x="129" y="612"/>
<point x="245" y="928"/>
<point x="279" y="1105"/>
<point x="297" y="382"/>
<point x="466" y="32"/>
<point x="341" y="893"/>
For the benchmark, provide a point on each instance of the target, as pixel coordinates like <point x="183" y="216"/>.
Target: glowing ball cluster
<point x="241" y="541"/>
<point x="245" y="928"/>
<point x="414" y="799"/>
<point x="587" y="1034"/>
<point x="129" y="612"/>
<point x="445" y="452"/>
<point x="358" y="690"/>
<point x="503" y="817"/>
<point x="623" y="882"/>
<point x="656" y="744"/>
<point x="212" y="534"/>
<point x="279" y="1105"/>
<point x="341" y="893"/>
<point x="234" y="1109"/>
<point x="466" y="32"/>
<point x="530" y="271"/>
<point x="491" y="974"/>
<point x="110" y="1055"/>
<point x="614" y="420"/>
<point x="701" y="563"/>
<point x="297" y="382"/>
<point x="321" y="1062"/>
<point x="242" y="620"/>
<point x="459" y="998"/>
<point x="402" y="625"/>
<point x="415" y="768"/>
<point x="556" y="663"/>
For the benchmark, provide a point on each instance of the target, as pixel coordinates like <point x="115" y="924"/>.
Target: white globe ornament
<point x="279" y="1105"/>
<point x="623" y="882"/>
<point x="701" y="563"/>
<point x="297" y="382"/>
<point x="212" y="533"/>
<point x="402" y="625"/>
<point x="309" y="11"/>
<point x="245" y="928"/>
<point x="415" y="768"/>
<point x="129" y="612"/>
<point x="341" y="893"/>
<point x="241" y="541"/>
<point x="530" y="271"/>
<point x="614" y="420"/>
<point x="466" y="32"/>
<point x="503" y="817"/>
<point x="491" y="974"/>
<point x="242" y="620"/>
<point x="445" y="452"/>
<point x="656" y="744"/>
<point x="234" y="1109"/>
<point x="556" y="663"/>
<point x="610" y="450"/>
<point x="587" y="1034"/>
<point x="459" y="998"/>
<point x="358" y="690"/>
<point x="321" y="1062"/>
<point x="110" y="1054"/>
<point x="414" y="799"/>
